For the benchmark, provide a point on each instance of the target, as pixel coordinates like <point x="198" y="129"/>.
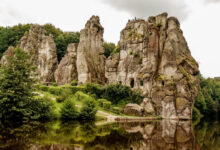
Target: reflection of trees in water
<point x="156" y="135"/>
<point x="208" y="135"/>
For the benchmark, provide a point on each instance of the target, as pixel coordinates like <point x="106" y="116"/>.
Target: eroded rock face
<point x="90" y="53"/>
<point x="67" y="71"/>
<point x="43" y="52"/>
<point x="155" y="58"/>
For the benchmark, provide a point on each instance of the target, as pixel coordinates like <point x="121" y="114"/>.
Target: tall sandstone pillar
<point x="90" y="53"/>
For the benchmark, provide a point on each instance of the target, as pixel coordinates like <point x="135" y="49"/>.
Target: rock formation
<point x="90" y="53"/>
<point x="67" y="71"/>
<point x="43" y="52"/>
<point x="155" y="58"/>
<point x="8" y="52"/>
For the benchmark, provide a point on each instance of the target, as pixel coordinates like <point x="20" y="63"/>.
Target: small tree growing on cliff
<point x="16" y="86"/>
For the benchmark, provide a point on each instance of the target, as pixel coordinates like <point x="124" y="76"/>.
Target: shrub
<point x="42" y="109"/>
<point x="44" y="88"/>
<point x="196" y="114"/>
<point x="116" y="110"/>
<point x="69" y="111"/>
<point x="107" y="105"/>
<point x="55" y="90"/>
<point x="117" y="92"/>
<point x="140" y="60"/>
<point x="82" y="96"/>
<point x="101" y="101"/>
<point x="94" y="89"/>
<point x="74" y="83"/>
<point x="88" y="110"/>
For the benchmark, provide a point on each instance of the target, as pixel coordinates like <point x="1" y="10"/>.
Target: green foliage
<point x="196" y="113"/>
<point x="101" y="101"/>
<point x="208" y="99"/>
<point x="10" y="36"/>
<point x="109" y="48"/>
<point x="44" y="88"/>
<point x="117" y="92"/>
<point x="116" y="50"/>
<point x="88" y="109"/>
<point x="94" y="89"/>
<point x="116" y="110"/>
<point x="140" y="60"/>
<point x="65" y="94"/>
<point x="69" y="111"/>
<point x="62" y="39"/>
<point x="107" y="105"/>
<point x="74" y="83"/>
<point x="17" y="88"/>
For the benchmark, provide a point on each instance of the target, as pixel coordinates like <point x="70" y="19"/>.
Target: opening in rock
<point x="142" y="83"/>
<point x="132" y="83"/>
<point x="163" y="83"/>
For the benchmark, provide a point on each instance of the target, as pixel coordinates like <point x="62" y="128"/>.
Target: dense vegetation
<point x="10" y="36"/>
<point x="208" y="100"/>
<point x="17" y="81"/>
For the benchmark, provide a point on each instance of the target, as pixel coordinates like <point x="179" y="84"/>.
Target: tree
<point x="69" y="110"/>
<point x="17" y="81"/>
<point x="88" y="110"/>
<point x="108" y="47"/>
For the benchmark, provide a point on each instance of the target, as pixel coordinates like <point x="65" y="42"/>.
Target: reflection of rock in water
<point x="164" y="135"/>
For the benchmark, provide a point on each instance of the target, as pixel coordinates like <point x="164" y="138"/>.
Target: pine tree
<point x="16" y="86"/>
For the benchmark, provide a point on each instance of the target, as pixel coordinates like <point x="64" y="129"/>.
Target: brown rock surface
<point x="90" y="53"/>
<point x="155" y="58"/>
<point x="67" y="71"/>
<point x="43" y="52"/>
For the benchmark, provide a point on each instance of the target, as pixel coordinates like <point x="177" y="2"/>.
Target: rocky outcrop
<point x="67" y="71"/>
<point x="90" y="53"/>
<point x="155" y="58"/>
<point x="8" y="52"/>
<point x="43" y="52"/>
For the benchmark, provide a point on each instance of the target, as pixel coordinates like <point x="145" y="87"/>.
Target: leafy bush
<point x="94" y="89"/>
<point x="55" y="90"/>
<point x="44" y="88"/>
<point x="88" y="110"/>
<point x="74" y="83"/>
<point x="108" y="47"/>
<point x="42" y="109"/>
<point x="69" y="111"/>
<point x="196" y="113"/>
<point x="107" y="105"/>
<point x="116" y="110"/>
<point x="101" y="101"/>
<point x="117" y="92"/>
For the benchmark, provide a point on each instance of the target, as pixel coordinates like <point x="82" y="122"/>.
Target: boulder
<point x="133" y="109"/>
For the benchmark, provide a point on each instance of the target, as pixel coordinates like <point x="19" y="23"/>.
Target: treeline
<point x="208" y="100"/>
<point x="10" y="36"/>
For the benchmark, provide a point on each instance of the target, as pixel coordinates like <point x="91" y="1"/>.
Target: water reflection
<point x="154" y="135"/>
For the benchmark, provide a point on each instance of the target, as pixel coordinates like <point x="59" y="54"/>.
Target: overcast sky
<point x="200" y="20"/>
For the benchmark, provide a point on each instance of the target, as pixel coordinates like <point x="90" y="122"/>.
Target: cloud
<point x="211" y="1"/>
<point x="8" y="14"/>
<point x="146" y="8"/>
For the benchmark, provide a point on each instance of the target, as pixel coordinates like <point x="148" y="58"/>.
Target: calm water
<point x="156" y="135"/>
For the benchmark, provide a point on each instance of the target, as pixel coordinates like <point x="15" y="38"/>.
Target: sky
<point x="200" y="20"/>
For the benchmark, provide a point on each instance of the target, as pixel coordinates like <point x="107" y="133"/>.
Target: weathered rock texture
<point x="155" y="58"/>
<point x="43" y="52"/>
<point x="67" y="71"/>
<point x="90" y="53"/>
